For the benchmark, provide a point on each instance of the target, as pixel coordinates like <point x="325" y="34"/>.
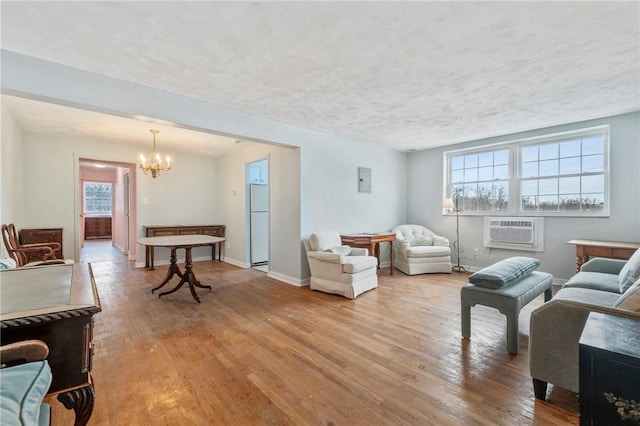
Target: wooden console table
<point x="371" y="242"/>
<point x="610" y="249"/>
<point x="55" y="304"/>
<point x="41" y="235"/>
<point x="166" y="230"/>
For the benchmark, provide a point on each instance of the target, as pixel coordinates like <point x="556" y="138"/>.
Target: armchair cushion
<point x="595" y="281"/>
<point x="504" y="272"/>
<point x="427" y="251"/>
<point x="420" y="240"/>
<point x="343" y="250"/>
<point x="353" y="264"/>
<point x="630" y="272"/>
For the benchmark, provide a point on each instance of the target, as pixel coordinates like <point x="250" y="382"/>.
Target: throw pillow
<point x="630" y="272"/>
<point x="420" y="240"/>
<point x="630" y="300"/>
<point x="504" y="272"/>
<point x="7" y="263"/>
<point x="343" y="250"/>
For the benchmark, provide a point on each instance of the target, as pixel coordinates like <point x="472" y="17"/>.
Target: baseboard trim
<point x="288" y="280"/>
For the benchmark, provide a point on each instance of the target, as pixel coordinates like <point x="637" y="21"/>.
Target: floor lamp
<point x="453" y="208"/>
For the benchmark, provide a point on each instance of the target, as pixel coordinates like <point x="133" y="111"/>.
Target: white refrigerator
<point x="259" y="223"/>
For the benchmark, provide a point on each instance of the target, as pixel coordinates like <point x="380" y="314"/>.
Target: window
<point x="563" y="174"/>
<point x="97" y="199"/>
<point x="480" y="180"/>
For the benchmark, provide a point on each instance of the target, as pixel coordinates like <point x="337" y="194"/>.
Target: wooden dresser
<point x="163" y="230"/>
<point x="97" y="227"/>
<point x="55" y="304"/>
<point x="41" y="235"/>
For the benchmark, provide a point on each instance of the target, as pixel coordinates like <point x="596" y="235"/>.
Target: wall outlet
<point x="228" y="244"/>
<point x="476" y="251"/>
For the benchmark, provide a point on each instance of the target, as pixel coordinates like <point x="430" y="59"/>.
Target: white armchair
<point x="418" y="250"/>
<point x="339" y="269"/>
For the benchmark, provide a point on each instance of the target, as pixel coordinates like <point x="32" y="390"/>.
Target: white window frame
<point x="515" y="172"/>
<point x="84" y="199"/>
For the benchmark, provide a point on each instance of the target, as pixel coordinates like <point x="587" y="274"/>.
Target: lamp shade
<point x="448" y="203"/>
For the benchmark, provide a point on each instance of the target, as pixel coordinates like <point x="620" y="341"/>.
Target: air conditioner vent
<point x="518" y="233"/>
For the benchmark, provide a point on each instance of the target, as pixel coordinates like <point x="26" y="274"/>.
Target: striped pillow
<point x="504" y="272"/>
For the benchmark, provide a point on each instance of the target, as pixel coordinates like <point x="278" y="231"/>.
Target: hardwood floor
<point x="260" y="352"/>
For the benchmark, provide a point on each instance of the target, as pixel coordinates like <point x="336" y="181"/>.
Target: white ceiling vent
<point x="515" y="233"/>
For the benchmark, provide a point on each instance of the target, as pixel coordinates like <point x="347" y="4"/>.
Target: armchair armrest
<point x="604" y="265"/>
<point x="23" y="352"/>
<point x="357" y="251"/>
<point x="46" y="248"/>
<point x="440" y="241"/>
<point x="554" y="336"/>
<point x="325" y="256"/>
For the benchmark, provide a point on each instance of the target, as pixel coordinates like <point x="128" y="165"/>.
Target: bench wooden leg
<point x="466" y="320"/>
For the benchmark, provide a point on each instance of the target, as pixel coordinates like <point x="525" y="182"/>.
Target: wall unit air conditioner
<point x="514" y="233"/>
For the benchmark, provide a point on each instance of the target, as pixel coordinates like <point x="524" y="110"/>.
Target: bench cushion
<point x="23" y="387"/>
<point x="504" y="272"/>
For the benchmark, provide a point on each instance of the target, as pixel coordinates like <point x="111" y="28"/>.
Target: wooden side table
<point x="372" y="243"/>
<point x="610" y="249"/>
<point x="610" y="370"/>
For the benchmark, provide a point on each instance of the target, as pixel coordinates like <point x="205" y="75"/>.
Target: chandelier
<point x="153" y="162"/>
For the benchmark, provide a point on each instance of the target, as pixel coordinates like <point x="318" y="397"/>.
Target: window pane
<point x="457" y="176"/>
<point x="548" y="151"/>
<point x="548" y="186"/>
<point x="529" y="153"/>
<point x="570" y="165"/>
<point x="529" y="170"/>
<point x="501" y="172"/>
<point x="501" y="157"/>
<point x="592" y="163"/>
<point x="592" y="184"/>
<point x="569" y="185"/>
<point x="593" y="146"/>
<point x="457" y="163"/>
<point x="530" y="187"/>
<point x="485" y="159"/>
<point x="471" y="160"/>
<point x="485" y="173"/>
<point x="570" y="149"/>
<point x="549" y="168"/>
<point x="548" y="203"/>
<point x="470" y="174"/>
<point x="570" y="202"/>
<point x="593" y="202"/>
<point x="529" y="204"/>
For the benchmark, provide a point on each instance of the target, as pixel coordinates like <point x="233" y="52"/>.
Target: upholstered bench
<point x="509" y="298"/>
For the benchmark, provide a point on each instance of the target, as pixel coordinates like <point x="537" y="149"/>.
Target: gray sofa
<point x="556" y="326"/>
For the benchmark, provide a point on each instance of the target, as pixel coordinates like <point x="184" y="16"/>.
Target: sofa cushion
<point x="595" y="281"/>
<point x="630" y="300"/>
<point x="343" y="250"/>
<point x="322" y="240"/>
<point x="427" y="251"/>
<point x="504" y="272"/>
<point x="23" y="389"/>
<point x="354" y="264"/>
<point x="587" y="296"/>
<point x="630" y="272"/>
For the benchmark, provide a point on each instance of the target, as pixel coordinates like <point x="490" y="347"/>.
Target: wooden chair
<point x="19" y="252"/>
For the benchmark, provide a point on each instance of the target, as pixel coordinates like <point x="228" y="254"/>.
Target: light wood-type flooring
<point x="257" y="351"/>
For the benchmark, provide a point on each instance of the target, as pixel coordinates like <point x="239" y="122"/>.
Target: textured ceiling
<point x="405" y="75"/>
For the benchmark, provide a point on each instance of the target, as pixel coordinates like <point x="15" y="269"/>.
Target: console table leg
<point x="81" y="402"/>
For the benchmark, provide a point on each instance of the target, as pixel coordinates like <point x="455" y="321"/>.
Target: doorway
<point x="106" y="203"/>
<point x="258" y="190"/>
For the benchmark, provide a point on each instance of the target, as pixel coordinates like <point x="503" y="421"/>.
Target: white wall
<point x="11" y="174"/>
<point x="284" y="199"/>
<point x="558" y="258"/>
<point x="184" y="196"/>
<point x="328" y="164"/>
